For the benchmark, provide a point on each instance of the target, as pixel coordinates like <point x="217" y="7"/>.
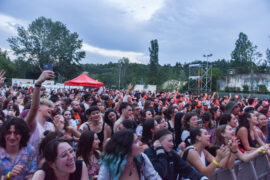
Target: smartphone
<point x="48" y="67"/>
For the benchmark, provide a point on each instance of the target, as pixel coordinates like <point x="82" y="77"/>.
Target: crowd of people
<point x="125" y="134"/>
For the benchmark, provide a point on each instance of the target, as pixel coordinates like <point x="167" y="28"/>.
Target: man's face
<point x="76" y="106"/>
<point x="127" y="112"/>
<point x="236" y="110"/>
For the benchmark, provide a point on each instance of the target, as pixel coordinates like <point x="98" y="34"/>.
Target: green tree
<point x="216" y="75"/>
<point x="6" y="64"/>
<point x="245" y="55"/>
<point x="48" y="42"/>
<point x="153" y="66"/>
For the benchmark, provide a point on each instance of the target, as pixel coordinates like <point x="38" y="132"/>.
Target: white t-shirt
<point x="38" y="134"/>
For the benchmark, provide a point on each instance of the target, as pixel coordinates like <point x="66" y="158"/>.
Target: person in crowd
<point x="216" y="114"/>
<point x="70" y="133"/>
<point x="88" y="152"/>
<point x="61" y="163"/>
<point x="128" y="124"/>
<point x="190" y="122"/>
<point x="109" y="119"/>
<point x="247" y="134"/>
<point x="161" y="121"/>
<point x="208" y="125"/>
<point x="233" y="108"/>
<point x="137" y="112"/>
<point x="228" y="118"/>
<point x="65" y="104"/>
<point x="198" y="157"/>
<point x="147" y="114"/>
<point x="67" y="117"/>
<point x="94" y="123"/>
<point x="40" y="111"/>
<point x="49" y="135"/>
<point x="76" y="113"/>
<point x="18" y="159"/>
<point x="7" y="106"/>
<point x="166" y="161"/>
<point x="262" y="126"/>
<point x="123" y="159"/>
<point x="225" y="135"/>
<point x="150" y="127"/>
<point x="125" y="111"/>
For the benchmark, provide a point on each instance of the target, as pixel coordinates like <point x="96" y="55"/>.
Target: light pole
<point x="207" y="68"/>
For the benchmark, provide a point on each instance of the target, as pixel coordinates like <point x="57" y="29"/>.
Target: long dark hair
<point x="147" y="133"/>
<point x="117" y="150"/>
<point x="120" y="143"/>
<point x="50" y="154"/>
<point x="85" y="146"/>
<point x="106" y="118"/>
<point x="194" y="133"/>
<point x="187" y="118"/>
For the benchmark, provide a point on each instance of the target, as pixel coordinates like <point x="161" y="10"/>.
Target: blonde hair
<point x="46" y="102"/>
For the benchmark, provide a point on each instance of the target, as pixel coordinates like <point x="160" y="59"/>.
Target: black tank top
<point x="100" y="134"/>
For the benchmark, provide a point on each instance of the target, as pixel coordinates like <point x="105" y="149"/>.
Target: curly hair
<point x="21" y="128"/>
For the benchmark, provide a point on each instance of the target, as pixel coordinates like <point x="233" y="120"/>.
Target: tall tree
<point x="245" y="55"/>
<point x="153" y="66"/>
<point x="48" y="42"/>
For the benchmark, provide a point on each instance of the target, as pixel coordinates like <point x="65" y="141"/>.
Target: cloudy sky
<point x="111" y="29"/>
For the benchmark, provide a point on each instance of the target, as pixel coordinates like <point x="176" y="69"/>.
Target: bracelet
<point x="215" y="162"/>
<point x="261" y="151"/>
<point x="8" y="175"/>
<point x="37" y="85"/>
<point x="233" y="151"/>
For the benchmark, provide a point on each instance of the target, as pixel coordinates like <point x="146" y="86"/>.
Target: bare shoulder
<point x="39" y="175"/>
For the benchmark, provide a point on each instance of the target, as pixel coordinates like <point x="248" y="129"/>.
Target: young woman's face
<point x="95" y="116"/>
<point x="262" y="120"/>
<point x="233" y="122"/>
<point x="148" y="115"/>
<point x="136" y="147"/>
<point x="67" y="115"/>
<point x="218" y="113"/>
<point x="167" y="142"/>
<point x="253" y="119"/>
<point x="65" y="160"/>
<point x="96" y="142"/>
<point x="12" y="137"/>
<point x="229" y="132"/>
<point x="112" y="116"/>
<point x="193" y="122"/>
<point x="205" y="137"/>
<point x="163" y="124"/>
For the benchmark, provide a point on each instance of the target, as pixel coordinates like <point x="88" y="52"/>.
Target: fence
<point x="257" y="169"/>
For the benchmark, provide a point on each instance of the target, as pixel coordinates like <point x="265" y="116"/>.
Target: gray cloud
<point x="185" y="29"/>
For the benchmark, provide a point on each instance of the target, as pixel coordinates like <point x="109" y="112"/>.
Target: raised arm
<point x="30" y="119"/>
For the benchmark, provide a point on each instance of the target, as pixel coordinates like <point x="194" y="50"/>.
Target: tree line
<point x="46" y="41"/>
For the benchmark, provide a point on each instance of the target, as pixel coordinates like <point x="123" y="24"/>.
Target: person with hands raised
<point x="198" y="157"/>
<point x="226" y="135"/>
<point x="40" y="111"/>
<point x="166" y="161"/>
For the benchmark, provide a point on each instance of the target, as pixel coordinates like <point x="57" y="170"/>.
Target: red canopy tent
<point x="84" y="80"/>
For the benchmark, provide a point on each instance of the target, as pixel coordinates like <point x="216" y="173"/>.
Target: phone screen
<point x="48" y="67"/>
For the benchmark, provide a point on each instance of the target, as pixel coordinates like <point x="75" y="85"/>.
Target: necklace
<point x="130" y="166"/>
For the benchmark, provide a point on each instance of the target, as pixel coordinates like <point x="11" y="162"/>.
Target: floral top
<point x="26" y="157"/>
<point x="93" y="171"/>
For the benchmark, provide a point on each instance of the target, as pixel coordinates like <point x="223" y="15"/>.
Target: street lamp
<point x="207" y="68"/>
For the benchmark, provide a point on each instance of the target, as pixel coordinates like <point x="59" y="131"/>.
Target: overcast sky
<point x="111" y="29"/>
